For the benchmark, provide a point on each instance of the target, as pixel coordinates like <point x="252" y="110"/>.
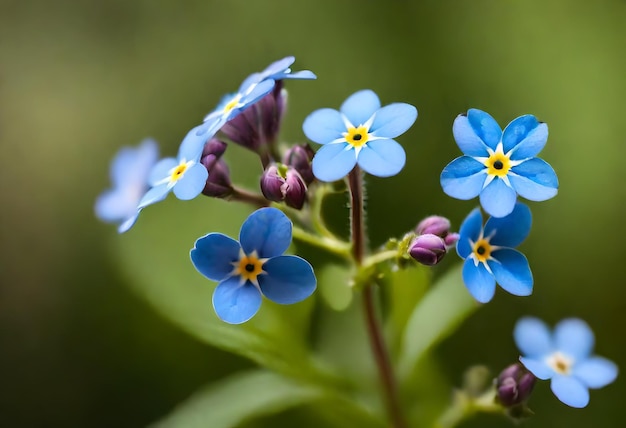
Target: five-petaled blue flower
<point x="565" y="357"/>
<point x="129" y="175"/>
<point x="251" y="90"/>
<point x="499" y="165"/>
<point x="360" y="132"/>
<point x="253" y="267"/>
<point x="185" y="175"/>
<point x="489" y="256"/>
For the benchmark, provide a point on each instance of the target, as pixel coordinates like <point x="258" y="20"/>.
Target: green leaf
<point x="334" y="285"/>
<point x="239" y="398"/>
<point x="442" y="309"/>
<point x="154" y="255"/>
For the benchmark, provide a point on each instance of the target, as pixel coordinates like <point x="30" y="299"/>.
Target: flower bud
<point x="218" y="184"/>
<point x="434" y="224"/>
<point x="282" y="183"/>
<point x="428" y="249"/>
<point x="450" y="239"/>
<point x="514" y="385"/>
<point x="299" y="157"/>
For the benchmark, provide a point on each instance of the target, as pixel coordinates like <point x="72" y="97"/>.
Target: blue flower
<point x="251" y="90"/>
<point x="185" y="175"/>
<point x="489" y="256"/>
<point x="253" y="267"/>
<point x="498" y="165"/>
<point x="129" y="175"/>
<point x="360" y="132"/>
<point x="565" y="357"/>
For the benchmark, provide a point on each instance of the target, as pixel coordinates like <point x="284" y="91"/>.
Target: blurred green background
<point x="79" y="79"/>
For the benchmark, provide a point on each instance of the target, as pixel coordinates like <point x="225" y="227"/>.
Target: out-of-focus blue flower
<point x="129" y="176"/>
<point x="251" y="90"/>
<point x="253" y="267"/>
<point x="360" y="132"/>
<point x="489" y="255"/>
<point x="565" y="357"/>
<point x="185" y="175"/>
<point x="499" y="165"/>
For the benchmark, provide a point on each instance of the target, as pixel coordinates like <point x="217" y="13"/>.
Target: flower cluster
<point x="497" y="166"/>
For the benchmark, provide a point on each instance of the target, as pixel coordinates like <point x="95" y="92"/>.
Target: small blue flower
<point x="251" y="90"/>
<point x="498" y="165"/>
<point x="185" y="175"/>
<point x="253" y="267"/>
<point x="565" y="357"/>
<point x="129" y="176"/>
<point x="360" y="132"/>
<point x="489" y="256"/>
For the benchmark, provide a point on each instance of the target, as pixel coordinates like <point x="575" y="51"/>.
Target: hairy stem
<point x="243" y="195"/>
<point x="374" y="330"/>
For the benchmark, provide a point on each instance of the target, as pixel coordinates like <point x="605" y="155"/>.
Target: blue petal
<point x="470" y="230"/>
<point x="247" y="84"/>
<point x="235" y="303"/>
<point x="463" y="178"/>
<point x="289" y="279"/>
<point x="298" y="75"/>
<point x="128" y="223"/>
<point x="498" y="199"/>
<point x="512" y="271"/>
<point x="266" y="231"/>
<point x="570" y="391"/>
<point x="154" y="195"/>
<point x="333" y="162"/>
<point x="382" y="158"/>
<point x="466" y="138"/>
<point x="161" y="170"/>
<point x="573" y="337"/>
<point x="360" y="106"/>
<point x="133" y="164"/>
<point x="526" y="135"/>
<point x="533" y="338"/>
<point x="479" y="282"/>
<point x="595" y="372"/>
<point x="278" y="67"/>
<point x="534" y="180"/>
<point x="393" y="120"/>
<point x="510" y="230"/>
<point x="192" y="145"/>
<point x="116" y="204"/>
<point x="213" y="255"/>
<point x="192" y="183"/>
<point x="538" y="367"/>
<point x="323" y="126"/>
<point x="485" y="127"/>
<point x="256" y="93"/>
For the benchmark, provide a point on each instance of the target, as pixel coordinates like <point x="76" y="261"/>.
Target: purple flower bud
<point x="214" y="147"/>
<point x="282" y="183"/>
<point x="434" y="224"/>
<point x="259" y="124"/>
<point x="218" y="184"/>
<point x="450" y="239"/>
<point x="428" y="249"/>
<point x="299" y="157"/>
<point x="514" y="385"/>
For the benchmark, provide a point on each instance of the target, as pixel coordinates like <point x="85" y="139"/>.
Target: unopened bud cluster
<point x="432" y="241"/>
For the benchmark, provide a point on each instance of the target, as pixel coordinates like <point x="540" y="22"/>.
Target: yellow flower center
<point x="249" y="267"/>
<point x="232" y="104"/>
<point x="482" y="250"/>
<point x="562" y="364"/>
<point x="358" y="136"/>
<point x="498" y="164"/>
<point x="178" y="172"/>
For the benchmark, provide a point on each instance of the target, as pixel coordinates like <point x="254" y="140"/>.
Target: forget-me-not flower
<point x="360" y="132"/>
<point x="129" y="175"/>
<point x="251" y="90"/>
<point x="184" y="175"/>
<point x="565" y="357"/>
<point x="253" y="267"/>
<point x="489" y="254"/>
<point x="499" y="165"/>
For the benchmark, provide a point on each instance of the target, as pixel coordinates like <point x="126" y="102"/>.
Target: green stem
<point x="374" y="330"/>
<point x="334" y="246"/>
<point x="374" y="259"/>
<point x="243" y="195"/>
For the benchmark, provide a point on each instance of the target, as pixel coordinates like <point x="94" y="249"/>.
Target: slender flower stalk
<point x="374" y="331"/>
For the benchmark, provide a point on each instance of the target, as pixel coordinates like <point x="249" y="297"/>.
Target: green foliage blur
<point x="79" y="347"/>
